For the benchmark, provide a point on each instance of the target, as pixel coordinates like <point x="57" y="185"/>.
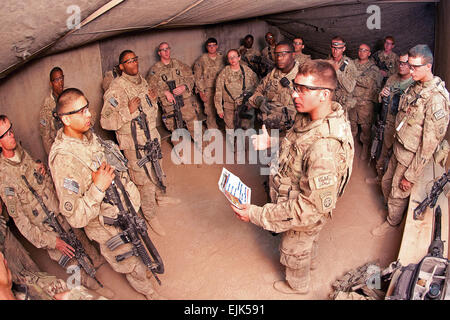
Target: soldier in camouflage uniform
<point x="82" y="174"/>
<point x="206" y="70"/>
<point x="420" y="125"/>
<point x="298" y="54"/>
<point x="170" y="69"/>
<point x="48" y="124"/>
<point x="387" y="60"/>
<point x="125" y="99"/>
<point x="248" y="53"/>
<point x="16" y="266"/>
<point x="315" y="165"/>
<point x="269" y="51"/>
<point x="271" y="97"/>
<point x="230" y="87"/>
<point x="394" y="88"/>
<point x="346" y="72"/>
<point x="16" y="166"/>
<point x="368" y="83"/>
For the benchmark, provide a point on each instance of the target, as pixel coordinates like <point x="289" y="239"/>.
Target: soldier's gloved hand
<point x="259" y="100"/>
<point x="133" y="104"/>
<point x="103" y="177"/>
<point x="64" y="248"/>
<point x="266" y="107"/>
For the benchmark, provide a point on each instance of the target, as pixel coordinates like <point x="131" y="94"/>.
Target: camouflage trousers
<point x="147" y="188"/>
<point x="210" y="109"/>
<point x="386" y="149"/>
<point x="189" y="113"/>
<point x="297" y="250"/>
<point x="228" y="114"/>
<point x="362" y="114"/>
<point x="397" y="200"/>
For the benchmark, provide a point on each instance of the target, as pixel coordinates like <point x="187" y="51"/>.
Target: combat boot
<point x="156" y="226"/>
<point x="365" y="152"/>
<point x="283" y="287"/>
<point x="382" y="229"/>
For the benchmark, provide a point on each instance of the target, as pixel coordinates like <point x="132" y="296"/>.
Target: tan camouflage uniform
<point x="206" y="71"/>
<point x="118" y="118"/>
<point x="176" y="70"/>
<point x="315" y="164"/>
<point x="233" y="81"/>
<point x="248" y="55"/>
<point x="269" y="52"/>
<point x="420" y="126"/>
<point x="72" y="162"/>
<point x="48" y="125"/>
<point x="346" y="83"/>
<point x="367" y="86"/>
<point x="396" y="86"/>
<point x="391" y="60"/>
<point x="301" y="58"/>
<point x="25" y="272"/>
<point x="28" y="214"/>
<point x="277" y="95"/>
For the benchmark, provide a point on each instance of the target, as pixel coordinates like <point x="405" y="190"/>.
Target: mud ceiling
<point x="31" y="28"/>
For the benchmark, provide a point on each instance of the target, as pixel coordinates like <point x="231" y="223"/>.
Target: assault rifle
<point x="68" y="237"/>
<point x="152" y="148"/>
<point x="432" y="198"/>
<point x="377" y="143"/>
<point x="241" y="111"/>
<point x="134" y="230"/>
<point x="288" y="122"/>
<point x="436" y="248"/>
<point x="264" y="65"/>
<point x="380" y="64"/>
<point x="177" y="106"/>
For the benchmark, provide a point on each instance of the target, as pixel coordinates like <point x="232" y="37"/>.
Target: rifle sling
<point x="243" y="85"/>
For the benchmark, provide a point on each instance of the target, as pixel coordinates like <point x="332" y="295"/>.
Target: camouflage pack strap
<point x="243" y="85"/>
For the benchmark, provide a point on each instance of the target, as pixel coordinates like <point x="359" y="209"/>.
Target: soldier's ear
<point x="65" y="120"/>
<point x="121" y="67"/>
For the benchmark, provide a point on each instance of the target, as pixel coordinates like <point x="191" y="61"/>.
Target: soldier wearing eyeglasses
<point x="48" y="123"/>
<point x="269" y="51"/>
<point x="18" y="172"/>
<point x="394" y="88"/>
<point x="313" y="168"/>
<point x="272" y="96"/>
<point x="127" y="97"/>
<point x="420" y="127"/>
<point x="368" y="83"/>
<point x="170" y="69"/>
<point x="346" y="74"/>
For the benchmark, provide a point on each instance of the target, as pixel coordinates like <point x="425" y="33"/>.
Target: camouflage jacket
<point x="271" y="88"/>
<point x="233" y="80"/>
<point x="302" y="58"/>
<point x="421" y="125"/>
<point x="116" y="115"/>
<point x="391" y="61"/>
<point x="346" y="76"/>
<point x="48" y="125"/>
<point x="269" y="53"/>
<point x="206" y="71"/>
<point x="177" y="71"/>
<point x="368" y="82"/>
<point x="22" y="205"/>
<point x="315" y="164"/>
<point x="248" y="55"/>
<point x="396" y="87"/>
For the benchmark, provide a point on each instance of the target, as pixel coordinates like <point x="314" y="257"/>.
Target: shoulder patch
<point x="439" y="114"/>
<point x="71" y="185"/>
<point x="113" y="102"/>
<point x="327" y="201"/>
<point x="68" y="206"/>
<point x="324" y="181"/>
<point x="9" y="192"/>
